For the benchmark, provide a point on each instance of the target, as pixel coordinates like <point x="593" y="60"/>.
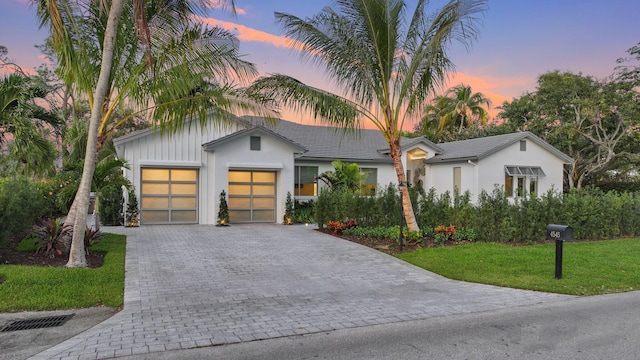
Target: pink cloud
<point x="246" y="33"/>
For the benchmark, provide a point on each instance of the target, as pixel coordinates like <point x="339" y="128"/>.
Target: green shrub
<point x="21" y="205"/>
<point x="303" y="211"/>
<point x="111" y="206"/>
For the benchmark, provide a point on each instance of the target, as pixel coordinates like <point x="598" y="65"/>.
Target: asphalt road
<point x="598" y="327"/>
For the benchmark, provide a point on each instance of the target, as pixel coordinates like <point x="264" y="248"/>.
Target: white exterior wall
<point x="440" y="177"/>
<point x="491" y="169"/>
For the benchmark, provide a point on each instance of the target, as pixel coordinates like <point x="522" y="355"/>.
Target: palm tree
<point x="157" y="59"/>
<point x="467" y="107"/>
<point x="430" y="124"/>
<point x="383" y="65"/>
<point x="30" y="150"/>
<point x="344" y="176"/>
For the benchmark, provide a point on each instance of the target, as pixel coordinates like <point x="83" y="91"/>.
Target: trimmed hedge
<point x="592" y="213"/>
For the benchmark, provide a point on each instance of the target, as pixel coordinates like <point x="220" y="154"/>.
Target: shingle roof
<point x="479" y="148"/>
<point x="324" y="142"/>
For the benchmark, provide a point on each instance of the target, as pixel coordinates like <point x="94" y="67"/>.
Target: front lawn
<point x="589" y="268"/>
<point x="27" y="288"/>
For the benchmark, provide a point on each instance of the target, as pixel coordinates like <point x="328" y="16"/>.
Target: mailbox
<point x="559" y="232"/>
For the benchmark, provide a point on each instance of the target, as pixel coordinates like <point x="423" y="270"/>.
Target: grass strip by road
<point x="589" y="268"/>
<point x="29" y="288"/>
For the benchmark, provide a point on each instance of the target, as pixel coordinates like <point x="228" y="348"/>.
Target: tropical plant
<point x="30" y="149"/>
<point x="344" y="176"/>
<point x="383" y="66"/>
<point x="50" y="236"/>
<point x="467" y="108"/>
<point x="92" y="237"/>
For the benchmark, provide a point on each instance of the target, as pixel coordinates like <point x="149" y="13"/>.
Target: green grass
<point x="49" y="288"/>
<point x="589" y="268"/>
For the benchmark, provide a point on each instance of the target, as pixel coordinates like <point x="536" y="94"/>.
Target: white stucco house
<point x="178" y="178"/>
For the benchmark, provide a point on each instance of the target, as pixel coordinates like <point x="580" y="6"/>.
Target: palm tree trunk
<point x="409" y="216"/>
<point x="77" y="256"/>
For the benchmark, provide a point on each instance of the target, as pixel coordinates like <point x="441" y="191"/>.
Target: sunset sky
<point x="519" y="40"/>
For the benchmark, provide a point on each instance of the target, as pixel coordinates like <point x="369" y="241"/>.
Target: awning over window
<point x="529" y="171"/>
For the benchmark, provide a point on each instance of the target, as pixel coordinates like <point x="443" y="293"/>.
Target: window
<point x="520" y="181"/>
<point x="508" y="185"/>
<point x="305" y="183"/>
<point x="457" y="180"/>
<point x="523" y="145"/>
<point x="255" y="143"/>
<point x="371" y="182"/>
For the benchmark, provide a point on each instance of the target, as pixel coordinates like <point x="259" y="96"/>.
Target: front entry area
<point x="252" y="196"/>
<point x="169" y="196"/>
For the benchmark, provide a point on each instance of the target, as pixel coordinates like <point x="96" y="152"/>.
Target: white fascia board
<point x="262" y="166"/>
<point x="172" y="164"/>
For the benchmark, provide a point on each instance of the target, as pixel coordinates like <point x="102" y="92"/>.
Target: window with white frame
<point x="522" y="181"/>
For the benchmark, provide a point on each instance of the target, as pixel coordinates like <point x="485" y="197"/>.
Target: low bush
<point x="21" y="205"/>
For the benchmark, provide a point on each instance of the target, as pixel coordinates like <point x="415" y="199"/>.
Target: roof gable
<point x="259" y="130"/>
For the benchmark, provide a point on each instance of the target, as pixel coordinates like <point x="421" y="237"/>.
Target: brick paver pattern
<point x="195" y="286"/>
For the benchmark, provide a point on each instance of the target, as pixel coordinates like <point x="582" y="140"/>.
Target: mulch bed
<point x="10" y="256"/>
<point x="390" y="246"/>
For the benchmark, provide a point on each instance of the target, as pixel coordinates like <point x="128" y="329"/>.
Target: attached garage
<point x="169" y="196"/>
<point x="252" y="196"/>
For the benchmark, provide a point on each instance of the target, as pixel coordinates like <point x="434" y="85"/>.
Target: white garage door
<point x="252" y="196"/>
<point x="169" y="196"/>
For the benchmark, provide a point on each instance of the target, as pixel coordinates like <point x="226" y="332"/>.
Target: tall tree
<point x="384" y="63"/>
<point x="590" y="120"/>
<point x="467" y="107"/>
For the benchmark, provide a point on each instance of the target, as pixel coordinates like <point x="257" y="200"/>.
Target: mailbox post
<point x="559" y="233"/>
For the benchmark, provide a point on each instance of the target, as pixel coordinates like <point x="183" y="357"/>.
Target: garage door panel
<point x="265" y="177"/>
<point x="184" y="202"/>
<point x="240" y="176"/>
<point x="155" y="189"/>
<point x="239" y="189"/>
<point x="155" y="202"/>
<point x="264" y="203"/>
<point x="263" y="215"/>
<point x="263" y="189"/>
<point x="155" y="174"/>
<point x="239" y="202"/>
<point x="240" y="215"/>
<point x="184" y="175"/>
<point x="151" y="216"/>
<point x="183" y="189"/>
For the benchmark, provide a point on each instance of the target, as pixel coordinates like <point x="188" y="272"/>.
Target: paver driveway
<point x="193" y="286"/>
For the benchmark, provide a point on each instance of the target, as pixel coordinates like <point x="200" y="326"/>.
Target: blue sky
<point x="519" y="40"/>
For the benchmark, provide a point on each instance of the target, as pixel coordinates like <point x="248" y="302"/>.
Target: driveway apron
<point x="195" y="286"/>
